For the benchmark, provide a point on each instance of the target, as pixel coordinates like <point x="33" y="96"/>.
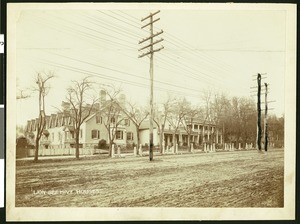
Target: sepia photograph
<point x="135" y="111"/>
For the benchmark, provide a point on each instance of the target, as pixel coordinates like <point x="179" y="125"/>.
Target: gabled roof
<point x="69" y="128"/>
<point x="146" y="125"/>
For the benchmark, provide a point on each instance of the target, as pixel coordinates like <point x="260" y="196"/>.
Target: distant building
<point x="59" y="130"/>
<point x="200" y="132"/>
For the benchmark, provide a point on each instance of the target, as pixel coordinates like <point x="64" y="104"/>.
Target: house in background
<point x="200" y="132"/>
<point x="59" y="130"/>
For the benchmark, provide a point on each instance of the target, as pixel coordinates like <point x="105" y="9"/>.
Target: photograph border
<point x="74" y="214"/>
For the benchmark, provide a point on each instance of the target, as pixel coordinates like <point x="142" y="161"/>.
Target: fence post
<point x="113" y="150"/>
<point x="140" y="150"/>
<point x="134" y="150"/>
<point x="119" y="151"/>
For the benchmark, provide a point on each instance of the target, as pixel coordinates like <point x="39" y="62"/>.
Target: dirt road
<point x="222" y="179"/>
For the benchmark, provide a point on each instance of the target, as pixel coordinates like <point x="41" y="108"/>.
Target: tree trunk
<point x="110" y="149"/>
<point x="77" y="144"/>
<point x="161" y="138"/>
<point x="138" y="138"/>
<point x="189" y="142"/>
<point x="36" y="152"/>
<point x="174" y="139"/>
<point x="110" y="146"/>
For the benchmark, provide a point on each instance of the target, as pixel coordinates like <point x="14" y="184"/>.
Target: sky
<point x="217" y="50"/>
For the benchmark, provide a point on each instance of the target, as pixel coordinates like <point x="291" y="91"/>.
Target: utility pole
<point x="266" y="118"/>
<point x="258" y="112"/>
<point x="151" y="52"/>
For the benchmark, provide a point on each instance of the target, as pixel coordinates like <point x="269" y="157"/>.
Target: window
<point x="119" y="135"/>
<point x="195" y="126"/>
<point x="127" y="122"/>
<point x="98" y="119"/>
<point x="129" y="136"/>
<point x="95" y="134"/>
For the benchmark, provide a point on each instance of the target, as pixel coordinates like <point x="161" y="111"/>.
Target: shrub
<point x="102" y="144"/>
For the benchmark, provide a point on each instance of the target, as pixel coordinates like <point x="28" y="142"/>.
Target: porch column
<point x="180" y="139"/>
<point x="221" y="138"/>
<point x="208" y="133"/>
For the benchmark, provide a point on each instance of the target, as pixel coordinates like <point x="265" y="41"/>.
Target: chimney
<point x="122" y="99"/>
<point x="102" y="98"/>
<point x="65" y="106"/>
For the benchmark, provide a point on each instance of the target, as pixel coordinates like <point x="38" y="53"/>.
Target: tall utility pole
<point x="150" y="53"/>
<point x="258" y="112"/>
<point x="266" y="118"/>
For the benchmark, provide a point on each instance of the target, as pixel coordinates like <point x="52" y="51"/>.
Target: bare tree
<point x="82" y="104"/>
<point x="178" y="112"/>
<point x="160" y="118"/>
<point x="111" y="112"/>
<point x="137" y="115"/>
<point x="188" y="121"/>
<point x="207" y="98"/>
<point x="248" y="115"/>
<point x="22" y="93"/>
<point x="42" y="89"/>
<point x="220" y="110"/>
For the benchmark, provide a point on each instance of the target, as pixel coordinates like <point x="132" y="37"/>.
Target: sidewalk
<point x="55" y="157"/>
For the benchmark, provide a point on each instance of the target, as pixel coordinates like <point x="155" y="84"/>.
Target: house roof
<point x="146" y="125"/>
<point x="68" y="127"/>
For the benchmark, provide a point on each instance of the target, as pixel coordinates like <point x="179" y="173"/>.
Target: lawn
<point x="221" y="179"/>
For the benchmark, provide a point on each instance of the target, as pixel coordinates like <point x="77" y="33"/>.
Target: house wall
<point x="144" y="136"/>
<point x="130" y="128"/>
<point x="87" y="132"/>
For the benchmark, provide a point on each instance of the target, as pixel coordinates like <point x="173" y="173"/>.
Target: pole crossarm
<point x="260" y="74"/>
<point x="151" y="14"/>
<point x="150" y="23"/>
<point x="260" y="78"/>
<point x="149" y="45"/>
<point x="151" y="52"/>
<point x="151" y="37"/>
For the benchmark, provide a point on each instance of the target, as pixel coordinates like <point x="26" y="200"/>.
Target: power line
<point x="108" y="25"/>
<point x="83" y="71"/>
<point x="97" y="31"/>
<point x="189" y="48"/>
<point x="126" y="73"/>
<point x="80" y="33"/>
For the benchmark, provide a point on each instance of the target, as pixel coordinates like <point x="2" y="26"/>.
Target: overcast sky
<point x="219" y="50"/>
